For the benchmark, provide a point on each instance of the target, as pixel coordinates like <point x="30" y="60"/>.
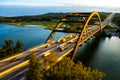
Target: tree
<point x="8" y="43"/>
<point x="2" y="52"/>
<point x="49" y="59"/>
<point x="35" y="69"/>
<point x="8" y="49"/>
<point x="109" y="26"/>
<point x="63" y="70"/>
<point x="8" y="46"/>
<point x="68" y="70"/>
<point x="19" y="46"/>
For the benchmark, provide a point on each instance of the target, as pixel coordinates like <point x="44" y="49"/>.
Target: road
<point x="67" y="41"/>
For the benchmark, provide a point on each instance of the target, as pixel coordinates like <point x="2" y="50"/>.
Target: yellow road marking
<point x="12" y="69"/>
<point x="9" y="58"/>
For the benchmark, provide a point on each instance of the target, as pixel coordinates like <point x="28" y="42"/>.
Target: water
<point x="102" y="54"/>
<point x="28" y="35"/>
<point x="29" y="10"/>
<point x="99" y="53"/>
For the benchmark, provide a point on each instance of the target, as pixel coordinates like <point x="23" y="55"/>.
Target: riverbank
<point x="46" y="25"/>
<point x="48" y="21"/>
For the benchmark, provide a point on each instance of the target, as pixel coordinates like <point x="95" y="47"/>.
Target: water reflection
<point x="86" y="52"/>
<point x="102" y="54"/>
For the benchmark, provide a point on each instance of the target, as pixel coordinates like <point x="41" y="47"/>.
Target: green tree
<point x="49" y="59"/>
<point x="109" y="26"/>
<point x="7" y="49"/>
<point x="68" y="70"/>
<point x="2" y="52"/>
<point x="35" y="69"/>
<point x="63" y="70"/>
<point x="8" y="43"/>
<point x="19" y="46"/>
<point x="8" y="46"/>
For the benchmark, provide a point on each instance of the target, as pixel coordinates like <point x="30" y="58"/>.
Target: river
<point x="98" y="53"/>
<point x="30" y="35"/>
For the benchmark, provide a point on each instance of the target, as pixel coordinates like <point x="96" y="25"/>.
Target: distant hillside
<point x="37" y="18"/>
<point x="116" y="19"/>
<point x="44" y="17"/>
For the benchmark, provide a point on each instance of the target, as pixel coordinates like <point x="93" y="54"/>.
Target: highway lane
<point x="20" y="59"/>
<point x="16" y="75"/>
<point x="12" y="63"/>
<point x="108" y="20"/>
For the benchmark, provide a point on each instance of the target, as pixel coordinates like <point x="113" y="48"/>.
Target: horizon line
<point x="55" y="5"/>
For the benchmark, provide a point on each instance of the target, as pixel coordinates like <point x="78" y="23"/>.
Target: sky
<point x="92" y="3"/>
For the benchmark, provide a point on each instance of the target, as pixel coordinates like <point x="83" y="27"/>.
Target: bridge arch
<point x="84" y="27"/>
<point x="85" y="22"/>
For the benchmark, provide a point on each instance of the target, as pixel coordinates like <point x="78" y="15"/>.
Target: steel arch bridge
<point x="91" y="24"/>
<point x="86" y="25"/>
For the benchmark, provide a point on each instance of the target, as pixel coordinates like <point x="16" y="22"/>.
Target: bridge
<point x="84" y="26"/>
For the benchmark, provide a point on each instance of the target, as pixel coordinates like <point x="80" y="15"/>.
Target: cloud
<point x="99" y="3"/>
